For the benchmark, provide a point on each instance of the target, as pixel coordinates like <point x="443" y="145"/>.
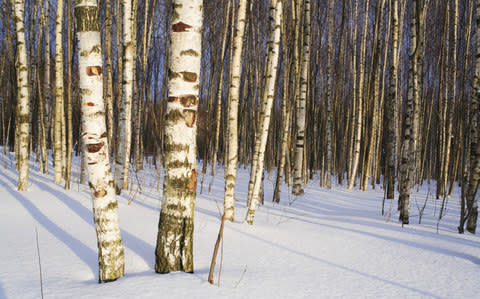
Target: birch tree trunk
<point x="407" y="161"/>
<point x="23" y="97"/>
<point x="361" y="88"/>
<point x="57" y="146"/>
<point x="300" y="140"/>
<point x="94" y="136"/>
<point x="125" y="117"/>
<point x="271" y="77"/>
<point x="391" y="106"/>
<point x="471" y="198"/>
<point x="234" y="94"/>
<point x="174" y="249"/>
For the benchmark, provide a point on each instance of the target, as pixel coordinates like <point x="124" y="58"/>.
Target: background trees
<point x="391" y="95"/>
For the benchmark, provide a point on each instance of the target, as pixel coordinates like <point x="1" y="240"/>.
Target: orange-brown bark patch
<point x="95" y="70"/>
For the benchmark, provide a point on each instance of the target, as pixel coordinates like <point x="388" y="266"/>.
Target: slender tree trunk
<point x="234" y="94"/>
<point x="407" y="162"/>
<point x="125" y="117"/>
<point x="94" y="135"/>
<point x="69" y="131"/>
<point x="218" y="113"/>
<point x="269" y="93"/>
<point x="23" y="97"/>
<point x="301" y="105"/>
<point x="108" y="75"/>
<point x="471" y="199"/>
<point x="174" y="250"/>
<point x="59" y="92"/>
<point x="391" y="107"/>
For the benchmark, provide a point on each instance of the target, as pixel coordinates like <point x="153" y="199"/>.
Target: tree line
<point x="357" y="93"/>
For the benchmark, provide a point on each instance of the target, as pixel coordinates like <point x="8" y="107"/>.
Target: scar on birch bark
<point x="94" y="70"/>
<point x="189" y="76"/>
<point x="192" y="185"/>
<point x="180" y="27"/>
<point x="95" y="147"/>
<point x="190" y="116"/>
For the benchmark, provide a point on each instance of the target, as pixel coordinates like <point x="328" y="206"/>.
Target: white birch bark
<point x="125" y="117"/>
<point x="271" y="77"/>
<point x="23" y="97"/>
<point x="301" y="105"/>
<point x="57" y="146"/>
<point x="174" y="249"/>
<point x="94" y="137"/>
<point x="234" y="93"/>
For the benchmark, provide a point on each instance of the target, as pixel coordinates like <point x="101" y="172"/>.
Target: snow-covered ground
<point x="327" y="243"/>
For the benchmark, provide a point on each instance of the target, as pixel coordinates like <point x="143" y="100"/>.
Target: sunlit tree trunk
<point x="271" y="77"/>
<point x="360" y="99"/>
<point x="94" y="136"/>
<point x="23" y="97"/>
<point x="125" y="117"/>
<point x="174" y="249"/>
<point x="59" y="93"/>
<point x="234" y="94"/>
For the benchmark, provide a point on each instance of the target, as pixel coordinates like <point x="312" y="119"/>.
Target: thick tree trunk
<point x="94" y="136"/>
<point x="174" y="249"/>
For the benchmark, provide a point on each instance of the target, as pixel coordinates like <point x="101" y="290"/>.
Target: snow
<point x="326" y="243"/>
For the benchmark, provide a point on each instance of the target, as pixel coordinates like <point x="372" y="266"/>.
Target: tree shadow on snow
<point x="140" y="247"/>
<point x="82" y="251"/>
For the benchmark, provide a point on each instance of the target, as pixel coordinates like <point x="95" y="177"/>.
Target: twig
<point x="39" y="262"/>
<point x="215" y="251"/>
<point x="241" y="277"/>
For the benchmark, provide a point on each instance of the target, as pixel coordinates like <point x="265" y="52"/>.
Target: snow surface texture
<point x="327" y="243"/>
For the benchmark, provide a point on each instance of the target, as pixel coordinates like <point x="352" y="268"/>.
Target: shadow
<point x="82" y="251"/>
<point x="341" y="267"/>
<point x="2" y="292"/>
<point x="141" y="248"/>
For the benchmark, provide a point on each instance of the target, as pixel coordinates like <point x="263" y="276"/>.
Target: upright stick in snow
<point x="23" y="107"/>
<point x="94" y="136"/>
<point x="174" y="250"/>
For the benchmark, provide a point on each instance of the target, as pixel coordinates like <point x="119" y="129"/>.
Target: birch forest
<point x="353" y="94"/>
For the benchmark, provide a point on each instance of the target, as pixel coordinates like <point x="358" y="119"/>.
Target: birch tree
<point x="23" y="97"/>
<point x="269" y="94"/>
<point x="174" y="249"/>
<point x="407" y="161"/>
<point x="471" y="198"/>
<point x="125" y="117"/>
<point x="57" y="146"/>
<point x="234" y="94"/>
<point x="301" y="104"/>
<point x="391" y="106"/>
<point x="94" y="137"/>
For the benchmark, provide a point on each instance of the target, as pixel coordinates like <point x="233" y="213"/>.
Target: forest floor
<point x="326" y="243"/>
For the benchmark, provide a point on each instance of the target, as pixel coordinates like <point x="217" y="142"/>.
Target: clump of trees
<point x="357" y="93"/>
